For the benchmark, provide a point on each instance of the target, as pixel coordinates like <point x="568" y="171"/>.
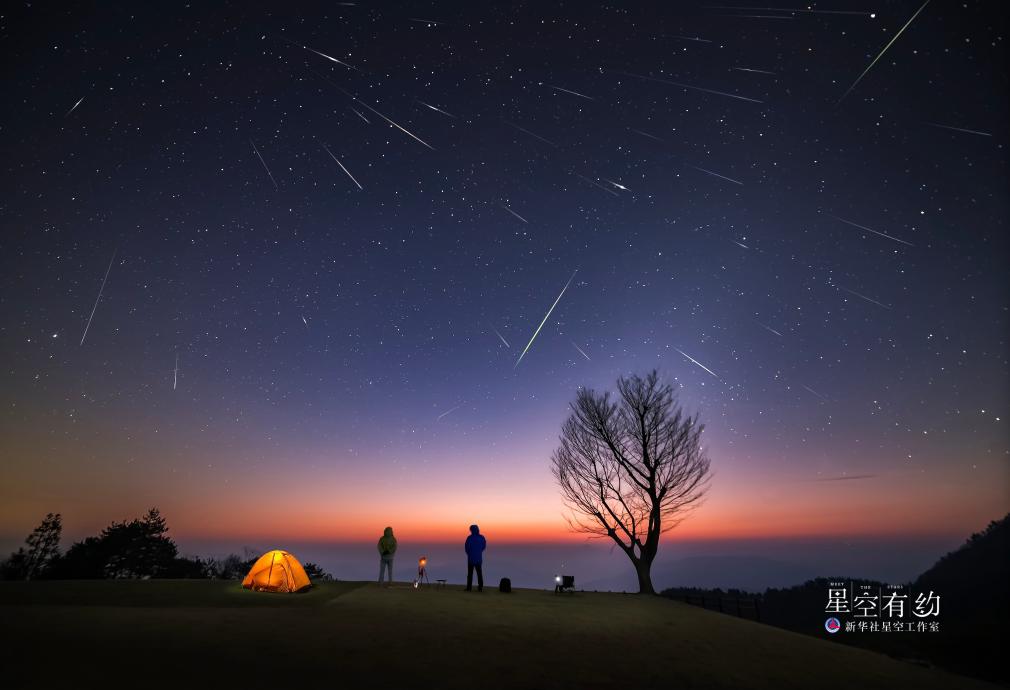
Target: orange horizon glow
<point x="438" y="504"/>
<point x="798" y="520"/>
<point x="815" y="510"/>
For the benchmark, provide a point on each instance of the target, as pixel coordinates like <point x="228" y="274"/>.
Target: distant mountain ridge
<point x="972" y="581"/>
<point x="975" y="578"/>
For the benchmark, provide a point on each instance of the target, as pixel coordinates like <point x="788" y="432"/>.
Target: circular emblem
<point x="832" y="625"/>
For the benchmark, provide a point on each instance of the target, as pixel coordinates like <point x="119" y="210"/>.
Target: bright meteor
<point x="332" y="59"/>
<point x="881" y="54"/>
<point x="437" y="110"/>
<point x="537" y="332"/>
<point x="694" y="361"/>
<point x="337" y="161"/>
<point x="409" y="134"/>
<point x="75" y="106"/>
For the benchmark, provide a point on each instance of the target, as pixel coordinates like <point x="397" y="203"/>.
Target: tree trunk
<point x="644" y="569"/>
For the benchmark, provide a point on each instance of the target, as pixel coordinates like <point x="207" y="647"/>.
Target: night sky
<point x="323" y="237"/>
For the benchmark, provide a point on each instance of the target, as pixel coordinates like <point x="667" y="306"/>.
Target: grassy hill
<point x="975" y="601"/>
<point x="200" y="633"/>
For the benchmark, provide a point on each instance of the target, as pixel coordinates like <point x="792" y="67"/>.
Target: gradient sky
<point x="703" y="172"/>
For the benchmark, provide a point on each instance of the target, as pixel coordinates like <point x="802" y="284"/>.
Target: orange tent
<point x="277" y="571"/>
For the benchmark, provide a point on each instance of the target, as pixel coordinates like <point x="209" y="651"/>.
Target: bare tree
<point x="632" y="468"/>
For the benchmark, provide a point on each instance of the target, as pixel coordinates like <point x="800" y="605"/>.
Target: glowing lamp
<point x="422" y="571"/>
<point x="564" y="583"/>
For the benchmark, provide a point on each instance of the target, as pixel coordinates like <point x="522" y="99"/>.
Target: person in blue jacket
<point x="474" y="547"/>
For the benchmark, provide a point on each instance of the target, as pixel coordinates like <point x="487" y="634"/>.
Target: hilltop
<point x="199" y="633"/>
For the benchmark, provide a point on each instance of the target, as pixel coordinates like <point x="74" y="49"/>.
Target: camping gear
<point x="277" y="571"/>
<point x="505" y="585"/>
<point x="566" y="583"/>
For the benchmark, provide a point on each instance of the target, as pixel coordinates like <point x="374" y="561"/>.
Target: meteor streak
<point x="537" y="332"/>
<point x="789" y="9"/>
<point x="97" y="299"/>
<point x="813" y="391"/>
<point x="337" y="161"/>
<point x="175" y="373"/>
<point x="257" y="151"/>
<point x="332" y="59"/>
<point x="709" y="172"/>
<point x="415" y="138"/>
<point x="500" y="337"/>
<point x="437" y="110"/>
<point x="514" y="213"/>
<point x="448" y="411"/>
<point x="75" y="106"/>
<point x="868" y="299"/>
<point x="748" y="69"/>
<point x="881" y="54"/>
<point x="535" y="136"/>
<point x="596" y="184"/>
<point x="574" y="93"/>
<point x="694" y="361"/>
<point x="863" y="227"/>
<point x="688" y="86"/>
<point x="769" y="329"/>
<point x="581" y="352"/>
<point x="361" y="116"/>
<point x="644" y="134"/>
<point x="960" y="129"/>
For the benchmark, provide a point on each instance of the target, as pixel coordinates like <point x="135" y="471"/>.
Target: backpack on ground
<point x="505" y="585"/>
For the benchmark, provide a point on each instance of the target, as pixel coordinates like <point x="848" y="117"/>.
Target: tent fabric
<point x="277" y="571"/>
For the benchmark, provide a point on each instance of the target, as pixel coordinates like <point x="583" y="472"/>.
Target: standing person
<point x="387" y="549"/>
<point x="474" y="547"/>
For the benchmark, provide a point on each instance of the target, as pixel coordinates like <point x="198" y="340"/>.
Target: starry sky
<point x="273" y="270"/>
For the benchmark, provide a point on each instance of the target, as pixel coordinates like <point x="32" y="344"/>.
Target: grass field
<point x="190" y="634"/>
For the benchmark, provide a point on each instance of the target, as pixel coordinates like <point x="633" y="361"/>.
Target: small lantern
<point x="422" y="571"/>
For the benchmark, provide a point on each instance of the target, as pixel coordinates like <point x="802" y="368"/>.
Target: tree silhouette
<point x="139" y="548"/>
<point x="42" y="547"/>
<point x="316" y="572"/>
<point x="43" y="544"/>
<point x="632" y="468"/>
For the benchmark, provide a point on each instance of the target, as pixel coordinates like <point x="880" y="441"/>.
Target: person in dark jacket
<point x="474" y="547"/>
<point x="387" y="550"/>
